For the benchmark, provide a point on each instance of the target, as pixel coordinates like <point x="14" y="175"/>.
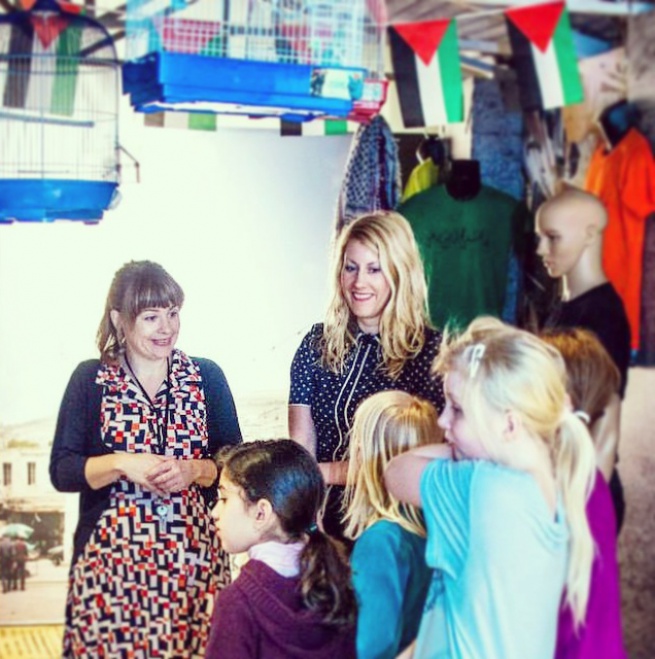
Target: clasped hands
<point x="161" y="474"/>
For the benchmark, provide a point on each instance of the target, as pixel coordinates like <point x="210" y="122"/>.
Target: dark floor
<point x="637" y="542"/>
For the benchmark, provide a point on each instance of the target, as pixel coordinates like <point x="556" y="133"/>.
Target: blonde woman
<point x="376" y="337"/>
<point x="504" y="500"/>
<point x="390" y="574"/>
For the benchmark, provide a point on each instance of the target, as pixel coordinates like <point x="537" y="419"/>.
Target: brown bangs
<point x="156" y="291"/>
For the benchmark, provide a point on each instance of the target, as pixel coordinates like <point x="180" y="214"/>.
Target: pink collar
<point x="283" y="558"/>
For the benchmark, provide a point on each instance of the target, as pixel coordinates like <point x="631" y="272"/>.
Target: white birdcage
<point x="307" y="57"/>
<point x="59" y="92"/>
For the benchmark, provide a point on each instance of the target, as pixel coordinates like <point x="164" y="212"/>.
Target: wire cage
<point x="59" y="93"/>
<point x="261" y="57"/>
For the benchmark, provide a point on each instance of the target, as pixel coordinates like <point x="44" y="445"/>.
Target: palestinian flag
<point x="316" y="128"/>
<point x="426" y="66"/>
<point x="544" y="56"/>
<point x="188" y="120"/>
<point x="42" y="68"/>
<point x="209" y="121"/>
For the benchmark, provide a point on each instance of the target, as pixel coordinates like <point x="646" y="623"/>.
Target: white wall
<point x="243" y="221"/>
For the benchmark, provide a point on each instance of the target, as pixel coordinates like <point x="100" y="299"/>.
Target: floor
<point x="42" y="642"/>
<point x="637" y="541"/>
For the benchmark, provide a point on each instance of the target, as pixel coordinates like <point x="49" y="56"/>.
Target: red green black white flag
<point x="426" y="66"/>
<point x="544" y="56"/>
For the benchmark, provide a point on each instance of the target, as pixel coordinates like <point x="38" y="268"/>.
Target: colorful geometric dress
<point x="145" y="582"/>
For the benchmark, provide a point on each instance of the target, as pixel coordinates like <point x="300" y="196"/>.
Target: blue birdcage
<point x="293" y="58"/>
<point x="59" y="92"/>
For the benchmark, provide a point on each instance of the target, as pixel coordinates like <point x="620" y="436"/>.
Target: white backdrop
<point x="242" y="219"/>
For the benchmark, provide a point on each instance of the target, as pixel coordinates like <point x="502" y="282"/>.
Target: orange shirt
<point x="624" y="179"/>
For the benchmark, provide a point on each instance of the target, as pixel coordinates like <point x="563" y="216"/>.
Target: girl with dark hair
<point x="294" y="597"/>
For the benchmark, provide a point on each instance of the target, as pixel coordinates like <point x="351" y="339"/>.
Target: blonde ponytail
<point x="510" y="369"/>
<point x="575" y="467"/>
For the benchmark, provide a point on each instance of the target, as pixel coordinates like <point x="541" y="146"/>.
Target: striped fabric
<point x="544" y="56"/>
<point x="42" y="66"/>
<point x="427" y="70"/>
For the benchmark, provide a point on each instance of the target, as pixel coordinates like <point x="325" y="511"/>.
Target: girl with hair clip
<point x="390" y="575"/>
<point x="376" y="337"/>
<point x="293" y="598"/>
<point x="593" y="379"/>
<point x="503" y="500"/>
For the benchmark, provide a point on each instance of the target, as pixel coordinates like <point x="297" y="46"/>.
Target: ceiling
<point x="480" y="24"/>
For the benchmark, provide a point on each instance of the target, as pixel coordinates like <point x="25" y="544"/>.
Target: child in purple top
<point x="593" y="379"/>
<point x="294" y="598"/>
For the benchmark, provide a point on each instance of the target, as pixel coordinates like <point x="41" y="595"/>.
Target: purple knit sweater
<point x="261" y="616"/>
<point x="601" y="635"/>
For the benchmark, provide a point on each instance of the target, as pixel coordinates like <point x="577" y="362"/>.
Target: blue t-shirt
<point x="500" y="561"/>
<point x="391" y="580"/>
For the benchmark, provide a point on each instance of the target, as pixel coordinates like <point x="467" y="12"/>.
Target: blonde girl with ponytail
<point x="504" y="499"/>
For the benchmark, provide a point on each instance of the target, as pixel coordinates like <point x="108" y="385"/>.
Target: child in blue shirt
<point x="504" y="500"/>
<point x="390" y="575"/>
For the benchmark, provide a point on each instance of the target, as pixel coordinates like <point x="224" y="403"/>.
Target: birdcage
<point x="59" y="92"/>
<point x="303" y="58"/>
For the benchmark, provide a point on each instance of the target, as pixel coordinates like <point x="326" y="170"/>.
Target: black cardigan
<point x="78" y="437"/>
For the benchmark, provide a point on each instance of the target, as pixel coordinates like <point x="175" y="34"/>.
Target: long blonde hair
<point x="510" y="369"/>
<point x="385" y="425"/>
<point x="404" y="318"/>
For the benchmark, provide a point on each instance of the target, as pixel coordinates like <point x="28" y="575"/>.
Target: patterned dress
<point x="145" y="582"/>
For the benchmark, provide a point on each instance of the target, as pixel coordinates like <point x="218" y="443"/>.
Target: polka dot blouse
<point x="333" y="397"/>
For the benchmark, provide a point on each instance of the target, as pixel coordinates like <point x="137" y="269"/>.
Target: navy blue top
<point x="334" y="397"/>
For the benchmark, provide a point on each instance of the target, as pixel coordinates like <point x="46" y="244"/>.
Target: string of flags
<point x="427" y="72"/>
<point x="426" y="62"/>
<point x="206" y="121"/>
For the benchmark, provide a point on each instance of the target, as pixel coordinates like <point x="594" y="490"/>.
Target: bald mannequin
<point x="570" y="229"/>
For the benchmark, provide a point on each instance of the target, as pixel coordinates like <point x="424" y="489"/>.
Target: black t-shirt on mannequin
<point x="601" y="311"/>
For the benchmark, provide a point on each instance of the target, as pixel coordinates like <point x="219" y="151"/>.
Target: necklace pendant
<point x="162" y="510"/>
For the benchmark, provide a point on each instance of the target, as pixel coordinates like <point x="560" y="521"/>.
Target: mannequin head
<point x="570" y="231"/>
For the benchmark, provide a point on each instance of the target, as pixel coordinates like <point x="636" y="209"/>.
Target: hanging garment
<point x="372" y="178"/>
<point x="422" y="177"/>
<point x="466" y="247"/>
<point x="498" y="145"/>
<point x="624" y="179"/>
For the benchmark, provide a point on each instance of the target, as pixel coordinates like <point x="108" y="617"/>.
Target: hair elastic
<point x="476" y="353"/>
<point x="583" y="416"/>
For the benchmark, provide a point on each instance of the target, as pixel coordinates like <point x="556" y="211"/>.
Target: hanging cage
<point x="292" y="58"/>
<point x="59" y="86"/>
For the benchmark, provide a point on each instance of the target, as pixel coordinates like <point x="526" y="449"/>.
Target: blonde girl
<point x="504" y="502"/>
<point x="390" y="575"/>
<point x="376" y="336"/>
